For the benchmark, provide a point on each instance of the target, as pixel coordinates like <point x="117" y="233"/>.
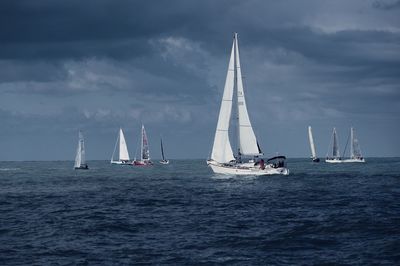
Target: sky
<point x="98" y="65"/>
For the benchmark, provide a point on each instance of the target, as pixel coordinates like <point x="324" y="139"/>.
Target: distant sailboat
<point x="163" y="161"/>
<point x="123" y="150"/>
<point x="355" y="151"/>
<point x="80" y="162"/>
<point x="144" y="159"/>
<point x="312" y="146"/>
<point x="222" y="159"/>
<point x="335" y="158"/>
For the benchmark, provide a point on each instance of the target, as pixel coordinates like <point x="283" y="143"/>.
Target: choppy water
<point x="183" y="214"/>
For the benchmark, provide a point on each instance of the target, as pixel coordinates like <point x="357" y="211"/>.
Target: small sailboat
<point x="335" y="157"/>
<point x="314" y="157"/>
<point x="144" y="159"/>
<point x="222" y="160"/>
<point x="123" y="150"/>
<point x="80" y="162"/>
<point x="163" y="161"/>
<point x="355" y="151"/>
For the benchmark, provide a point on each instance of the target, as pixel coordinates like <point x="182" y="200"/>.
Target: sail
<point x="162" y="151"/>
<point x="335" y="150"/>
<point x="78" y="156"/>
<point x="123" y="149"/>
<point x="145" y="145"/>
<point x="355" y="151"/>
<point x="80" y="152"/>
<point x="222" y="150"/>
<point x="247" y="140"/>
<point x="312" y="146"/>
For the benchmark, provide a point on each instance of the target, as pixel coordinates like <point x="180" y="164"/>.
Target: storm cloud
<point x="98" y="65"/>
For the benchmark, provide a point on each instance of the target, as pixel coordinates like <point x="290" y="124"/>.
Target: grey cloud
<point x="98" y="65"/>
<point x="386" y="5"/>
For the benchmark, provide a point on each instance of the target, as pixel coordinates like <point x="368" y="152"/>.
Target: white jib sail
<point x="123" y="149"/>
<point x="355" y="151"/>
<point x="80" y="152"/>
<point x="310" y="137"/>
<point x="247" y="139"/>
<point x="222" y="150"/>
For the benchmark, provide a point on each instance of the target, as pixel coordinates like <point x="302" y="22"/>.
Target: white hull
<point x="333" y="160"/>
<point x="244" y="170"/>
<point x="354" y="160"/>
<point x="121" y="162"/>
<point x="164" y="162"/>
<point x="345" y="160"/>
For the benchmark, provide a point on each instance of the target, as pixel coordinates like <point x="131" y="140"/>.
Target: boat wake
<point x="10" y="169"/>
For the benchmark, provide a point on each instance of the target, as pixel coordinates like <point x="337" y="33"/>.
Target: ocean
<point x="183" y="214"/>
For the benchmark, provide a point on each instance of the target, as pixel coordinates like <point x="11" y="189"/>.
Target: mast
<point x="237" y="97"/>
<point x="141" y="144"/>
<point x="352" y="143"/>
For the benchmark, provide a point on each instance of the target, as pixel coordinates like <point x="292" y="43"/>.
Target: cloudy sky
<point x="97" y="65"/>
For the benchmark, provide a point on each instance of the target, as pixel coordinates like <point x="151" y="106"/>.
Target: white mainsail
<point x="222" y="150"/>
<point x="80" y="152"/>
<point x="123" y="154"/>
<point x="145" y="152"/>
<point x="335" y="149"/>
<point x="123" y="149"/>
<point x="312" y="146"/>
<point x="247" y="140"/>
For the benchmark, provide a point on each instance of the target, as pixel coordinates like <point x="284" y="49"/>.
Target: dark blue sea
<point x="183" y="214"/>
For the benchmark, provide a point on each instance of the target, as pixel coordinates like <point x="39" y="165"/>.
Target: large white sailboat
<point x="123" y="155"/>
<point x="312" y="146"/>
<point x="80" y="161"/>
<point x="335" y="157"/>
<point x="355" y="151"/>
<point x="144" y="159"/>
<point x="222" y="159"/>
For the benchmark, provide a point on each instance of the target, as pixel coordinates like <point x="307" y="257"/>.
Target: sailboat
<point x="144" y="159"/>
<point x="355" y="151"/>
<point x="222" y="160"/>
<point x="163" y="161"/>
<point x="123" y="150"/>
<point x="80" y="162"/>
<point x="335" y="158"/>
<point x="312" y="146"/>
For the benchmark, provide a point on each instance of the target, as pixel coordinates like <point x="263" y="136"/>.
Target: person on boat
<point x="262" y="164"/>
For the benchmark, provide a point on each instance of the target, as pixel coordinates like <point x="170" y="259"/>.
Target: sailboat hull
<point x="82" y="167"/>
<point x="121" y="162"/>
<point x="345" y="160"/>
<point x="333" y="160"/>
<point x="354" y="160"/>
<point x="142" y="163"/>
<point x="164" y="162"/>
<point x="244" y="170"/>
